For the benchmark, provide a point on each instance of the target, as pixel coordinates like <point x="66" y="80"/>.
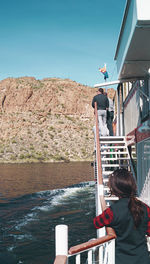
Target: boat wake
<point x="28" y="222"/>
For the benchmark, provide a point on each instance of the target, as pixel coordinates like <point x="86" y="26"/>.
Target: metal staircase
<point x="114" y="154"/>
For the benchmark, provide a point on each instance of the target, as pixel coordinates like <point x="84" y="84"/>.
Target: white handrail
<point x="61" y="243"/>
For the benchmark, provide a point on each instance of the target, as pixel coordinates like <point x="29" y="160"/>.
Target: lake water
<point x="34" y="198"/>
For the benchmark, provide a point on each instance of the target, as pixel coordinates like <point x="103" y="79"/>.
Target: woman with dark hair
<point x="129" y="217"/>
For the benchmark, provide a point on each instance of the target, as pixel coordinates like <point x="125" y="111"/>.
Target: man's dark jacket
<point x="102" y="101"/>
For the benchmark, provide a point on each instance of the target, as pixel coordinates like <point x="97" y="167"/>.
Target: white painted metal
<point x="78" y="259"/>
<point x="106" y="84"/>
<point x="101" y="231"/>
<point x="106" y="180"/>
<point x="148" y="243"/>
<point x="111" y="252"/>
<point x="108" y="159"/>
<point x="104" y="148"/>
<point x="101" y="253"/>
<point x="106" y="189"/>
<point x="106" y="173"/>
<point x="113" y="138"/>
<point x="114" y="165"/>
<point x="131" y="62"/>
<point x="132" y="109"/>
<point x="111" y="198"/>
<point x="105" y="249"/>
<point x="145" y="197"/>
<point x="98" y="85"/>
<point x="118" y="113"/>
<point x="61" y="240"/>
<point x="114" y="152"/>
<point x="113" y="159"/>
<point x="145" y="193"/>
<point x="90" y="257"/>
<point x="143" y="8"/>
<point x="112" y="142"/>
<point x="143" y="165"/>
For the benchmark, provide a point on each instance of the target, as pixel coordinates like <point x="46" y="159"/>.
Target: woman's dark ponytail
<point x="136" y="208"/>
<point x="122" y="184"/>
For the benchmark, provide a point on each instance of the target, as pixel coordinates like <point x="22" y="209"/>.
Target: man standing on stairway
<point x="102" y="107"/>
<point x="110" y="116"/>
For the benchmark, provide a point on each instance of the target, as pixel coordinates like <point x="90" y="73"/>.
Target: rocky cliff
<point x="45" y="120"/>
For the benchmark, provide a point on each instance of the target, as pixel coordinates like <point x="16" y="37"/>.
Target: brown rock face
<point x="46" y="120"/>
<point x="55" y="95"/>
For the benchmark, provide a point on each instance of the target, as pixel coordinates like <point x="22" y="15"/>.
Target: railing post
<point x="111" y="252"/>
<point x="78" y="259"/>
<point x="90" y="257"/>
<point x="61" y="242"/>
<point x="101" y="231"/>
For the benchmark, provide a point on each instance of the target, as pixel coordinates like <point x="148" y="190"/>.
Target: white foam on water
<point x="11" y="248"/>
<point x="42" y="194"/>
<point x="57" y="197"/>
<point x="69" y="192"/>
<point x="27" y="218"/>
<point x="60" y="196"/>
<point x="22" y="236"/>
<point x="53" y="198"/>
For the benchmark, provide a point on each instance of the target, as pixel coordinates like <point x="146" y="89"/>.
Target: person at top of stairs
<point x="102" y="107"/>
<point x="129" y="217"/>
<point x="110" y="116"/>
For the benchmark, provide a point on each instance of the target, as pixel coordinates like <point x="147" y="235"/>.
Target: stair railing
<point x="106" y="241"/>
<point x="100" y="193"/>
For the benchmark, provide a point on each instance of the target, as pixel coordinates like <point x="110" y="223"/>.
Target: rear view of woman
<point x="129" y="217"/>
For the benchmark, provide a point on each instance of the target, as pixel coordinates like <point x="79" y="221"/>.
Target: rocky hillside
<point x="45" y="120"/>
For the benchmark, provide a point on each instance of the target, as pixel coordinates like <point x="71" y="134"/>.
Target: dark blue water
<point x="27" y="222"/>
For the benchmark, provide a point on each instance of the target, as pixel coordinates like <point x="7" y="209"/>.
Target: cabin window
<point x="143" y="162"/>
<point x="144" y="99"/>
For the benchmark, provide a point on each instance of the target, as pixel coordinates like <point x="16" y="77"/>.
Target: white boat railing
<point x="92" y="247"/>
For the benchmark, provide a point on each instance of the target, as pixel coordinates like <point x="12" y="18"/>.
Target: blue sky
<point x="59" y="38"/>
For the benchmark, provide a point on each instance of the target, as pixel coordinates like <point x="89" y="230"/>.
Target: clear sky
<point x="59" y="38"/>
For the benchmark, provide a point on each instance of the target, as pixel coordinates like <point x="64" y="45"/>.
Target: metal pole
<point x="149" y="93"/>
<point x="111" y="252"/>
<point x="90" y="257"/>
<point x="122" y="111"/>
<point x="101" y="231"/>
<point x="78" y="259"/>
<point x="118" y="110"/>
<point x="61" y="240"/>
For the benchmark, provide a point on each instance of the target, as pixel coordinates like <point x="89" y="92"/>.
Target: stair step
<point x="106" y="173"/>
<point x="125" y="158"/>
<point x="114" y="165"/>
<point x="111" y="198"/>
<point x="112" y="142"/>
<point x="112" y="138"/>
<point x="105" y="180"/>
<point x="106" y="189"/>
<point x="112" y="147"/>
<point x="114" y="152"/>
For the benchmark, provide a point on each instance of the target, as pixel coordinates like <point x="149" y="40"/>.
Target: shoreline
<point x="42" y="161"/>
